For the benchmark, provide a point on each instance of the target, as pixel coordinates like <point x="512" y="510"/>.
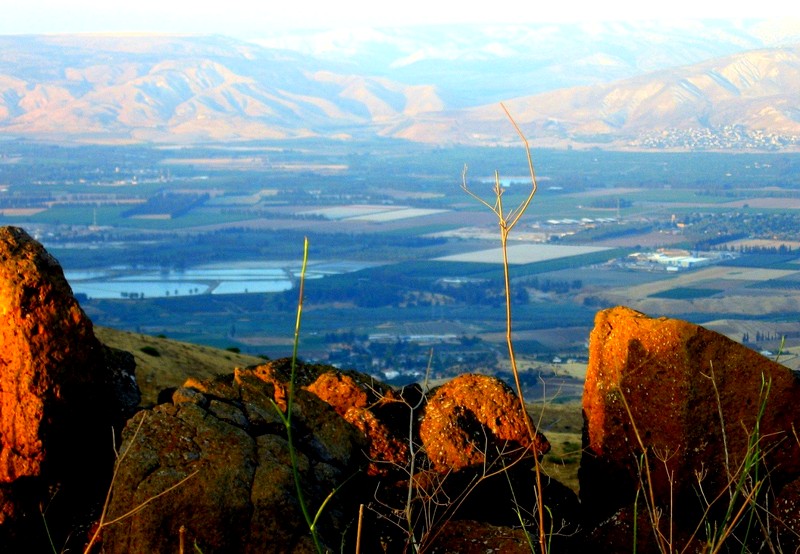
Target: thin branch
<point x="506" y="222"/>
<point x="102" y="523"/>
<point x="141" y="506"/>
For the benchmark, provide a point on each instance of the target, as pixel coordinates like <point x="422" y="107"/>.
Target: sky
<point x="249" y="18"/>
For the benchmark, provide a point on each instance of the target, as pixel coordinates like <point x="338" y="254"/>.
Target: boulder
<point x="471" y="419"/>
<point x="62" y="396"/>
<point x="671" y="408"/>
<point x="481" y="464"/>
<point x="225" y="436"/>
<point x="380" y="414"/>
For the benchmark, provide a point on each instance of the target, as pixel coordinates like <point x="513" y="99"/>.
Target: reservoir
<point x="234" y="278"/>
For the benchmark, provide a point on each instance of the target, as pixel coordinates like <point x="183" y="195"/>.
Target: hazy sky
<point x="249" y="18"/>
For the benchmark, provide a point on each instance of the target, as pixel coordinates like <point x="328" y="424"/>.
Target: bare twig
<point x="507" y="221"/>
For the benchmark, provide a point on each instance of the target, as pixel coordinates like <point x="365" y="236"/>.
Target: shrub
<point x="150" y="351"/>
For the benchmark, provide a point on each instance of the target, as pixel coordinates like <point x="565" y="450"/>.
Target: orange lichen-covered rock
<point x="47" y="346"/>
<point x="692" y="398"/>
<point x="339" y="390"/>
<point x="471" y="418"/>
<point x="61" y="391"/>
<point x="387" y="452"/>
<point x="363" y="405"/>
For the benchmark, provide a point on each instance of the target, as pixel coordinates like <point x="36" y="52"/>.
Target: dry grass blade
<point x="102" y="523"/>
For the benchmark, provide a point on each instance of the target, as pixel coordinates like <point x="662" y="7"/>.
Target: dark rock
<point x="63" y="395"/>
<point x="619" y="534"/>
<point x="228" y="436"/>
<point x="477" y="537"/>
<point x="786" y="512"/>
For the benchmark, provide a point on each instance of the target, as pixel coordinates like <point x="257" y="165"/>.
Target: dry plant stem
<point x="43" y="513"/>
<point x="360" y="524"/>
<point x="518" y="510"/>
<point x="507" y="221"/>
<point x="413" y="453"/>
<point x="721" y="422"/>
<point x="141" y="506"/>
<point x="452" y="506"/>
<point x="650" y="499"/>
<point x="120" y="458"/>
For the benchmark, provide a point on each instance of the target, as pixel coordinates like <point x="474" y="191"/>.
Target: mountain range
<point x="612" y="85"/>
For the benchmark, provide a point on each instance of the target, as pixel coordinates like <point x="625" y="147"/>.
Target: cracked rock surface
<point x="227" y="435"/>
<point x="696" y="401"/>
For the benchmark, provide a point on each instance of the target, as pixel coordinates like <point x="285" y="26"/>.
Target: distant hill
<point x="722" y="103"/>
<point x="102" y="88"/>
<point x="190" y="89"/>
<point x="471" y="65"/>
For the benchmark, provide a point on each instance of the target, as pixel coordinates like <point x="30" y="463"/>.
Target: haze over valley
<point x="616" y="85"/>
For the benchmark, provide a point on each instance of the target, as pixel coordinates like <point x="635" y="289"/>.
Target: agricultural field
<point x="377" y="214"/>
<point x="406" y="268"/>
<point x="522" y="254"/>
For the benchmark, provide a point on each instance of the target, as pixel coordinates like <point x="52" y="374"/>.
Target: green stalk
<point x="287" y="418"/>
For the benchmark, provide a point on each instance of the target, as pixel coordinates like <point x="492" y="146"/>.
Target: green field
<point x="383" y="205"/>
<point x="685" y="293"/>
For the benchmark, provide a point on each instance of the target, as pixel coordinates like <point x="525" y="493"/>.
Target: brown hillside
<point x="174" y="362"/>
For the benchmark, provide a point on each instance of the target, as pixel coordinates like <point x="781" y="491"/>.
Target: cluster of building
<point x="672" y="260"/>
<point x="722" y="138"/>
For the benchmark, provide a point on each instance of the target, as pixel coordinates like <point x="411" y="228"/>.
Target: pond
<point x="236" y="278"/>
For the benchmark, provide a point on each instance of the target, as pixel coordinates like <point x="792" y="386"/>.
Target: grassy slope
<point x="175" y="363"/>
<point x="561" y="424"/>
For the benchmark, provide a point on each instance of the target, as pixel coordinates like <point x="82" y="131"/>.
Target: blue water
<point x="230" y="279"/>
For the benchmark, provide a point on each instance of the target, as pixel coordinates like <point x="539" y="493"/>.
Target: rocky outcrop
<point x="352" y="434"/>
<point x="62" y="394"/>
<point x="675" y="415"/>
